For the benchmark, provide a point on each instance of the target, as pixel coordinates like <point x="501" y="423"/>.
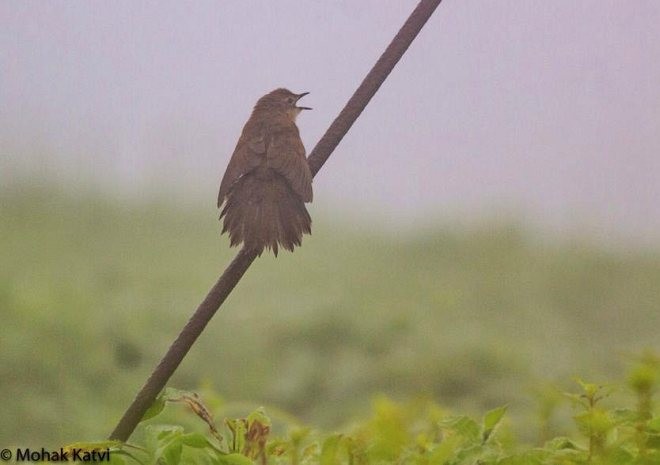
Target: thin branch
<point x="244" y="258"/>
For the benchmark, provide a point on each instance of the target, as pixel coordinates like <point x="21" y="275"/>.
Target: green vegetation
<point x="93" y="291"/>
<point x="412" y="433"/>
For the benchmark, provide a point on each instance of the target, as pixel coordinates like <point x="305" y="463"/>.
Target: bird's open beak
<point x="301" y="96"/>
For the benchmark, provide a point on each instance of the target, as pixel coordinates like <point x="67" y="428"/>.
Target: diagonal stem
<point x="234" y="272"/>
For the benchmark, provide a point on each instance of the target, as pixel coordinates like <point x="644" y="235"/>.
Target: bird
<point x="268" y="180"/>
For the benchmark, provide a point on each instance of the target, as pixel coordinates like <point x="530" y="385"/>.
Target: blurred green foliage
<point x="92" y="292"/>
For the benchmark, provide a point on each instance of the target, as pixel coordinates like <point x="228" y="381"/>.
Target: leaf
<point x="258" y="428"/>
<point x="576" y="399"/>
<point x="259" y="416"/>
<point x="309" y="451"/>
<point x="594" y="421"/>
<point x="162" y="432"/>
<point x="93" y="446"/>
<point x="493" y="417"/>
<point x="172" y="394"/>
<point x="623" y="415"/>
<point x="299" y="434"/>
<point x="195" y="440"/>
<point x="238" y="430"/>
<point x="560" y="443"/>
<point x="463" y="426"/>
<point x="330" y="450"/>
<point x="389" y="429"/>
<point x="155" y="408"/>
<point x="491" y="420"/>
<point x="171" y="453"/>
<point x="469" y="454"/>
<point x="445" y="450"/>
<point x="116" y="460"/>
<point x="278" y="447"/>
<point x="234" y="459"/>
<point x="164" y="443"/>
<point x="532" y="457"/>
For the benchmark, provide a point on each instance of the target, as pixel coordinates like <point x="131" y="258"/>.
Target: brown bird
<point x="268" y="180"/>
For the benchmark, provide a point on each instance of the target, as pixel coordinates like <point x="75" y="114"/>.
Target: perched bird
<point x="268" y="180"/>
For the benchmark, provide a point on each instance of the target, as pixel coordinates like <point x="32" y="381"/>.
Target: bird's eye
<point x="290" y="100"/>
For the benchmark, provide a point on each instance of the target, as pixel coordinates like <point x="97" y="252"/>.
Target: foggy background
<point x="550" y="110"/>
<point x="428" y="272"/>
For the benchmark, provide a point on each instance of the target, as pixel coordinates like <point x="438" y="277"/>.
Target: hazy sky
<point x="551" y="108"/>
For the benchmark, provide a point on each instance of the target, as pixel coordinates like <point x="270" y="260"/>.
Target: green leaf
<point x="589" y="389"/>
<point x="116" y="460"/>
<point x="491" y="420"/>
<point x="234" y="459"/>
<point x="98" y="445"/>
<point x="309" y="451"/>
<point x="162" y="432"/>
<point x="594" y="421"/>
<point x="258" y="415"/>
<point x="623" y="415"/>
<point x="445" y="450"/>
<point x="171" y="453"/>
<point x="299" y="434"/>
<point x="463" y="426"/>
<point x="577" y="399"/>
<point x="532" y="457"/>
<point x="196" y="440"/>
<point x="560" y="443"/>
<point x="155" y="409"/>
<point x="330" y="450"/>
<point x="470" y="453"/>
<point x="238" y="430"/>
<point x="171" y="393"/>
<point x="493" y="417"/>
<point x="164" y="443"/>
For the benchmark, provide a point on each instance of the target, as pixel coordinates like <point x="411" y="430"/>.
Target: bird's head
<point x="282" y="101"/>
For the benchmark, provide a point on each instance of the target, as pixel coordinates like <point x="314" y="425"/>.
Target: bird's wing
<point x="249" y="153"/>
<point x="285" y="153"/>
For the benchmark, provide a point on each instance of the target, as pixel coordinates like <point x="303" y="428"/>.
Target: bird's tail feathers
<point x="265" y="214"/>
